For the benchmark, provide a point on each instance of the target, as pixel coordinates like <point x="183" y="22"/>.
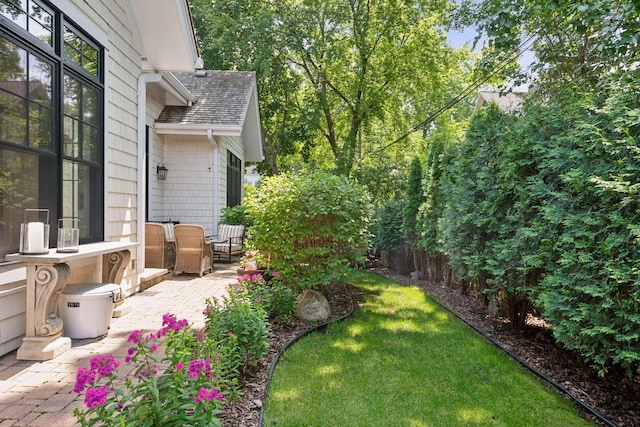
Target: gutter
<point x="216" y="175"/>
<point x="143" y="80"/>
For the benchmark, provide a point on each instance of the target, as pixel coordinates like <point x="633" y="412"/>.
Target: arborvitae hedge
<point x="544" y="208"/>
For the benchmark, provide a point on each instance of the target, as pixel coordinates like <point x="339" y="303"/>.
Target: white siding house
<point x="108" y="71"/>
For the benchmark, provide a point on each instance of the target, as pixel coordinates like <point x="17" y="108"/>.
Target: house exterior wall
<point x="189" y="189"/>
<point x="155" y="103"/>
<point x="107" y="22"/>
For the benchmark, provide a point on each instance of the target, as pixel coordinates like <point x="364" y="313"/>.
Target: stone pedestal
<point x="47" y="276"/>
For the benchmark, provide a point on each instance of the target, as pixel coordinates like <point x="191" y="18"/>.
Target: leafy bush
<point x="414" y="198"/>
<point x="277" y="299"/>
<point x="313" y="226"/>
<point x="386" y="226"/>
<point x="590" y="292"/>
<point x="544" y="208"/>
<point x="242" y="320"/>
<point x="235" y="215"/>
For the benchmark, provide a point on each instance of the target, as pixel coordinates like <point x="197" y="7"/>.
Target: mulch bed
<point x="615" y="397"/>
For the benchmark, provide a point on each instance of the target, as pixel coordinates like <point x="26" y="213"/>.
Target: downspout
<point x="143" y="79"/>
<point x="216" y="173"/>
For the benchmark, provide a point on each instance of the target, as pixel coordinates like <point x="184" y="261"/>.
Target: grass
<point x="404" y="361"/>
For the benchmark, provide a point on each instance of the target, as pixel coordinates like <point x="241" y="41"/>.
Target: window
<point x="234" y="180"/>
<point x="51" y="121"/>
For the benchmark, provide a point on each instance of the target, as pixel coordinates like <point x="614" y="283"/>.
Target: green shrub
<point x="590" y="292"/>
<point x="386" y="226"/>
<point x="313" y="226"/>
<point x="235" y="215"/>
<point x="414" y="198"/>
<point x="277" y="299"/>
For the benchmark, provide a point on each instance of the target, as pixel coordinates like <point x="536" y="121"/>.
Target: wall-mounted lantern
<point x="162" y="172"/>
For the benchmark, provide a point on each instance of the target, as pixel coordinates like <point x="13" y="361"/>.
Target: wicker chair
<point x="229" y="241"/>
<point x="193" y="251"/>
<point x="159" y="251"/>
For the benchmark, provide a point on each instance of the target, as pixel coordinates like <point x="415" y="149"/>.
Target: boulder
<point x="313" y="306"/>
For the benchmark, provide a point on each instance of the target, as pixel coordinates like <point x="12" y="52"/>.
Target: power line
<point x="471" y="88"/>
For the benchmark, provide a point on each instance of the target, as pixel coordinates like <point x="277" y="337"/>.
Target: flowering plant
<point x="240" y="318"/>
<point x="277" y="299"/>
<point x="185" y="387"/>
<point x="254" y="260"/>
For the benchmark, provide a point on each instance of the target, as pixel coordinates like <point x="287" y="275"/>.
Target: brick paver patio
<point x="40" y="393"/>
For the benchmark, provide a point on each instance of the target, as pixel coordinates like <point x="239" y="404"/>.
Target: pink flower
<point x="154" y="348"/>
<point x="275" y="274"/>
<point x="179" y="366"/>
<point x="96" y="396"/>
<point x="83" y="377"/>
<point x="207" y="310"/>
<point x="229" y="334"/>
<point x="135" y="336"/>
<point x="208" y="394"/>
<point x="104" y="365"/>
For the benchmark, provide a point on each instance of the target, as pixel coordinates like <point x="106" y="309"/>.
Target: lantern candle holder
<point x="34" y="232"/>
<point x="68" y="235"/>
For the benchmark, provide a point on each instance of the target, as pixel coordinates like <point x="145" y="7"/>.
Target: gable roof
<point x="226" y="104"/>
<point x="507" y="102"/>
<point x="222" y="98"/>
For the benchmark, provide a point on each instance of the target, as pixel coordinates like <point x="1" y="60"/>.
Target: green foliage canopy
<point x="311" y="225"/>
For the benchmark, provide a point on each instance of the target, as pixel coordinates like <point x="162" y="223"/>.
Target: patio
<point x="40" y="393"/>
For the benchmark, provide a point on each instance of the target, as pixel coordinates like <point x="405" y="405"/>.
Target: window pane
<point x="80" y="125"/>
<point x="41" y="105"/>
<point x="15" y="11"/>
<point x="13" y="123"/>
<point x="90" y="143"/>
<point x="25" y="98"/>
<point x="40" y="24"/>
<point x="90" y="58"/>
<point x="71" y="137"/>
<point x="72" y="46"/>
<point x="77" y="182"/>
<point x="80" y="51"/>
<point x="27" y="182"/>
<point x="90" y="105"/>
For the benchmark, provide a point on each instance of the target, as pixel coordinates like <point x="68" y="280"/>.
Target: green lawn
<point x="404" y="361"/>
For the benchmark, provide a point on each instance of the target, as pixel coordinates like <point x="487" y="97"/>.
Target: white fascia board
<point x="176" y="89"/>
<point x="191" y="129"/>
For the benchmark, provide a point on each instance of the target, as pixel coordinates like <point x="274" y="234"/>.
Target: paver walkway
<point x="40" y="393"/>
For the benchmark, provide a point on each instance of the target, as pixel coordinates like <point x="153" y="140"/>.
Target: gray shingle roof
<point x="222" y="98"/>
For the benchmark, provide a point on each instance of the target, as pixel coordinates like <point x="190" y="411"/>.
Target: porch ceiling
<point x="166" y="32"/>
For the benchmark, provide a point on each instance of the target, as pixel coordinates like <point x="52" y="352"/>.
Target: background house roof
<point x="508" y="102"/>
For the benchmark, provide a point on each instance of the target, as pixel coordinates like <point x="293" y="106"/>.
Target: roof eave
<point x="197" y="129"/>
<point x="166" y="32"/>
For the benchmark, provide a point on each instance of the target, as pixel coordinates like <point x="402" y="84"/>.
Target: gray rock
<point x="313" y="306"/>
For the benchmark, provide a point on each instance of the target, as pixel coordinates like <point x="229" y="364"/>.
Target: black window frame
<point x="89" y="160"/>
<point x="234" y="180"/>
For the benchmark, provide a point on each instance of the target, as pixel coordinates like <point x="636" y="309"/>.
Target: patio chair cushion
<point x="228" y="231"/>
<point x="229" y="241"/>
